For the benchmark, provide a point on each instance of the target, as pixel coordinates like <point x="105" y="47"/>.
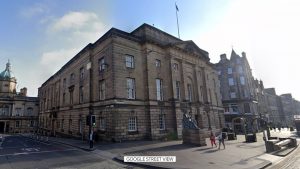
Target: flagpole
<point x="177" y="20"/>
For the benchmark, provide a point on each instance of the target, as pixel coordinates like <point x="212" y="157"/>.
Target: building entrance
<point x="2" y="126"/>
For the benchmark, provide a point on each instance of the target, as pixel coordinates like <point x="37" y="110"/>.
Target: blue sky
<point x="41" y="36"/>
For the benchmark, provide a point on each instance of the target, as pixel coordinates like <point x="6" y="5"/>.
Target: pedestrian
<point x="212" y="139"/>
<point x="221" y="139"/>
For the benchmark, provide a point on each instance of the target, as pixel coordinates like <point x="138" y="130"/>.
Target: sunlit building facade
<point x="18" y="113"/>
<point x="138" y="85"/>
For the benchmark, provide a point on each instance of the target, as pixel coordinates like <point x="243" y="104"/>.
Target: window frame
<point x="132" y="124"/>
<point x="101" y="64"/>
<point x="162" y="121"/>
<point x="159" y="89"/>
<point x="130" y="88"/>
<point x="157" y="63"/>
<point x="102" y="89"/>
<point x="230" y="81"/>
<point x="129" y="61"/>
<point x="229" y="70"/>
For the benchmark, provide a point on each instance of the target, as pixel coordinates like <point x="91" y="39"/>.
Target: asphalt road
<point x="17" y="152"/>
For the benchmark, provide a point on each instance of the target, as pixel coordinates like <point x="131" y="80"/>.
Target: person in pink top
<point x="212" y="139"/>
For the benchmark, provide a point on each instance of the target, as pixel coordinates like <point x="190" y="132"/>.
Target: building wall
<point x="115" y="109"/>
<point x="240" y="93"/>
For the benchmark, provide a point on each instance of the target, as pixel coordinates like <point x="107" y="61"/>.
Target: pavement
<point x="236" y="155"/>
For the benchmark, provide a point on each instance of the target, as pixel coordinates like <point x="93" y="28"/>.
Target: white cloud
<point x="75" y="21"/>
<point x="52" y="61"/>
<point x="73" y="30"/>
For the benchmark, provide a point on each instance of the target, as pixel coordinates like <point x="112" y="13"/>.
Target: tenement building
<point x="138" y="85"/>
<point x="18" y="113"/>
<point x="289" y="109"/>
<point x="238" y="91"/>
<point x="274" y="112"/>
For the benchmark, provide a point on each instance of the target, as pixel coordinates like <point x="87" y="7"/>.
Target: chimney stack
<point x="243" y="54"/>
<point x="223" y="56"/>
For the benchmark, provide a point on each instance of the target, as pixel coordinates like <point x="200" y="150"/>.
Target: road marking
<point x="30" y="149"/>
<point x="40" y="152"/>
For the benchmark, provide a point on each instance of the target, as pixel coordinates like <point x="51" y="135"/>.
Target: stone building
<point x="273" y="107"/>
<point x="138" y="85"/>
<point x="262" y="102"/>
<point x="18" y="113"/>
<point x="288" y="108"/>
<point x="238" y="91"/>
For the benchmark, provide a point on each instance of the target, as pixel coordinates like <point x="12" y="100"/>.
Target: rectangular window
<point x="242" y="79"/>
<point x="178" y="90"/>
<point x="64" y="83"/>
<point x="17" y="123"/>
<point x="247" y="108"/>
<point x="159" y="92"/>
<point x="80" y="94"/>
<point x="18" y="111"/>
<point x="72" y="78"/>
<point x="101" y="63"/>
<point x="102" y="123"/>
<point x="157" y="63"/>
<point x="230" y="81"/>
<point x="232" y="95"/>
<point x="234" y="108"/>
<point x="71" y="97"/>
<point x="132" y="124"/>
<point x="30" y="111"/>
<point x="240" y="69"/>
<point x="64" y="98"/>
<point x="31" y="123"/>
<point x="101" y="90"/>
<point x="226" y="109"/>
<point x="229" y="70"/>
<point x="130" y="88"/>
<point x="162" y="121"/>
<point x="175" y="66"/>
<point x="81" y="73"/>
<point x="246" y="93"/>
<point x="129" y="61"/>
<point x="189" y="88"/>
